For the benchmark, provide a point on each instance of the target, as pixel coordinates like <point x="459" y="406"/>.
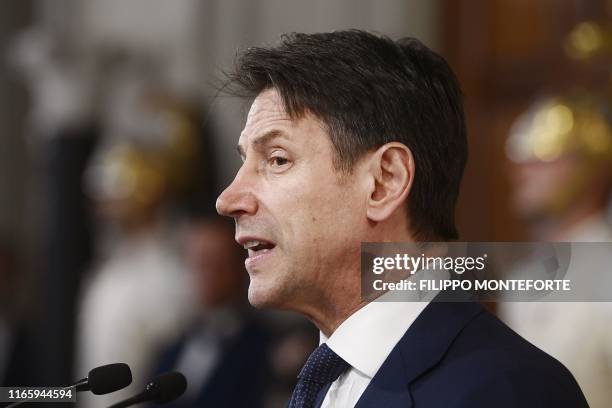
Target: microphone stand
<point x="148" y="394"/>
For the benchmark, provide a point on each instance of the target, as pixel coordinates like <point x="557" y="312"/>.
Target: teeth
<point x="251" y="244"/>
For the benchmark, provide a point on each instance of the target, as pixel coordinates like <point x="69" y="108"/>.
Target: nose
<point x="238" y="198"/>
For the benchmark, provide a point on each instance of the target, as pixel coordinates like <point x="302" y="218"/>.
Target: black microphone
<point x="101" y="380"/>
<point x="105" y="379"/>
<point x="164" y="388"/>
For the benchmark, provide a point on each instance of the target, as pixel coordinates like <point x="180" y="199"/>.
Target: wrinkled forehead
<point x="269" y="121"/>
<point x="266" y="110"/>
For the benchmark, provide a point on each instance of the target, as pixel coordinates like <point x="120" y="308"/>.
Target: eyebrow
<point x="261" y="140"/>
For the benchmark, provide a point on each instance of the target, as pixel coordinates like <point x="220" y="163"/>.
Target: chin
<point x="264" y="296"/>
<point x="258" y="296"/>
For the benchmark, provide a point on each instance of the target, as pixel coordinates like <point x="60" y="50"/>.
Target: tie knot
<point x="323" y="366"/>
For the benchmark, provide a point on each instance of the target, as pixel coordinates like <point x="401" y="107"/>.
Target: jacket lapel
<point x="421" y="348"/>
<point x="388" y="388"/>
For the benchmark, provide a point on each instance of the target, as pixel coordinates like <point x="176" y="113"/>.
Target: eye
<point x="278" y="161"/>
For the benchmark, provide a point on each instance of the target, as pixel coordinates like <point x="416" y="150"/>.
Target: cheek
<point x="330" y="221"/>
<point x="313" y="212"/>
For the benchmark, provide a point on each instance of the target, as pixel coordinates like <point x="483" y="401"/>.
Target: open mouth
<point x="258" y="247"/>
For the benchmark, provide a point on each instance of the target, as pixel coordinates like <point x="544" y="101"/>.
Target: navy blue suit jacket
<point x="458" y="355"/>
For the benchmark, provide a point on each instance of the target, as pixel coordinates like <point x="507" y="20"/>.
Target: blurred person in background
<point x="561" y="175"/>
<point x="62" y="131"/>
<point x="139" y="296"/>
<point x="224" y="353"/>
<point x="561" y="172"/>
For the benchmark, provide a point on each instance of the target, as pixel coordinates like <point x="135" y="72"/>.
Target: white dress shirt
<point x="365" y="340"/>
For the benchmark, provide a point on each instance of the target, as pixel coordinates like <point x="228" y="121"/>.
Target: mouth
<point x="258" y="250"/>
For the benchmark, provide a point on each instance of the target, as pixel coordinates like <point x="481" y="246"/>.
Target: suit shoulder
<point x="491" y="343"/>
<point x="487" y="354"/>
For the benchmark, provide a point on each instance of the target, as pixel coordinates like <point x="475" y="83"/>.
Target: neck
<point x="333" y="317"/>
<point x="342" y="297"/>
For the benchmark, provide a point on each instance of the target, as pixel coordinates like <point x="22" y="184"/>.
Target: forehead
<point x="266" y="111"/>
<point x="268" y="121"/>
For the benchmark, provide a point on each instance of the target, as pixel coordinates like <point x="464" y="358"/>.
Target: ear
<point x="391" y="169"/>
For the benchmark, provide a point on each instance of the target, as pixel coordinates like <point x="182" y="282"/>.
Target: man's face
<point x="301" y="221"/>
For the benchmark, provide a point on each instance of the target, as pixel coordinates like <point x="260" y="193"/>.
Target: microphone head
<point x="167" y="387"/>
<point x="109" y="378"/>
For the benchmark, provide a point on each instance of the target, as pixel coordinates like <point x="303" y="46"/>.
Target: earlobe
<point x="392" y="170"/>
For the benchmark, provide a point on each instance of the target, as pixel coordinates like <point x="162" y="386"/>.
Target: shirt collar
<point x="366" y="338"/>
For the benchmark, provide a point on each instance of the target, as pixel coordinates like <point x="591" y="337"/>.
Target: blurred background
<point x="114" y="145"/>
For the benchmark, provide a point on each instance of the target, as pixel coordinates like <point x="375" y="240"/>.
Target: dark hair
<point x="369" y="90"/>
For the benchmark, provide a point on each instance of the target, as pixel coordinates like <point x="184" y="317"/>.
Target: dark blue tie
<point x="321" y="369"/>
